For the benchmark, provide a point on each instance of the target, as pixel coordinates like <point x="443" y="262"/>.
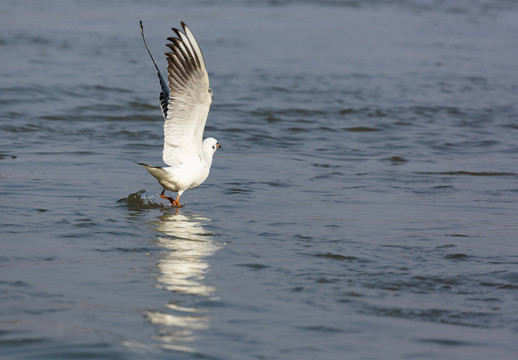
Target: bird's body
<point x="185" y="105"/>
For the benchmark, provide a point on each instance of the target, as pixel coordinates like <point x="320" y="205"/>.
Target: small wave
<point x="337" y="257"/>
<point x="396" y="160"/>
<point x="365" y="112"/>
<point x="28" y="128"/>
<point x="457" y="256"/>
<point x="361" y="129"/>
<point x="7" y="156"/>
<point x="287" y="112"/>
<point x="470" y="173"/>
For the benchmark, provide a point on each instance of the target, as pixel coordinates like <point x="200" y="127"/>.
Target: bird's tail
<point x="149" y="166"/>
<point x="157" y="171"/>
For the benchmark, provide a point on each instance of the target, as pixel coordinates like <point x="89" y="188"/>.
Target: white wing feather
<point x="189" y="99"/>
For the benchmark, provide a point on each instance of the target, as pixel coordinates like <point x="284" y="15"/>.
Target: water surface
<point x="363" y="205"/>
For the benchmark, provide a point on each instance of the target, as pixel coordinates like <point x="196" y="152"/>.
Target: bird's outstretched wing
<point x="189" y="98"/>
<point x="164" y="94"/>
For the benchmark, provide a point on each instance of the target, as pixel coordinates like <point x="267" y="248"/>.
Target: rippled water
<point x="363" y="205"/>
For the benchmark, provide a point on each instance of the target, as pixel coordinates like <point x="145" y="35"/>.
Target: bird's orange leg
<point x="175" y="202"/>
<point x="164" y="197"/>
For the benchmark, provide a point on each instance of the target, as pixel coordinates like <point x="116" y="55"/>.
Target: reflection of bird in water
<point x="182" y="271"/>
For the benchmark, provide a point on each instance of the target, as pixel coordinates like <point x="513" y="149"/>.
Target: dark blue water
<point x="363" y="205"/>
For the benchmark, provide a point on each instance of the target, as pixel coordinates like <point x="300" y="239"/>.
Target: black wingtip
<point x="177" y="32"/>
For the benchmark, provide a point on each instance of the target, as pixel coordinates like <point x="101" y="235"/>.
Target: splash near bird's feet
<point x="174" y="202"/>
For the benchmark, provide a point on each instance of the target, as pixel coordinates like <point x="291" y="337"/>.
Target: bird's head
<point x="210" y="145"/>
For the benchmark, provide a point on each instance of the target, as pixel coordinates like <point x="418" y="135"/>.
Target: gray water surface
<point x="363" y="205"/>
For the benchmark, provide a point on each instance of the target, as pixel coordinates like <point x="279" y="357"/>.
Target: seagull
<point x="185" y="105"/>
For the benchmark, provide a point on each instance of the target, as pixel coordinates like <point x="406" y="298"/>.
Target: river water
<point x="363" y="205"/>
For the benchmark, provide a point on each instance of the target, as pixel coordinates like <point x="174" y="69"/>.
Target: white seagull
<point x="185" y="105"/>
